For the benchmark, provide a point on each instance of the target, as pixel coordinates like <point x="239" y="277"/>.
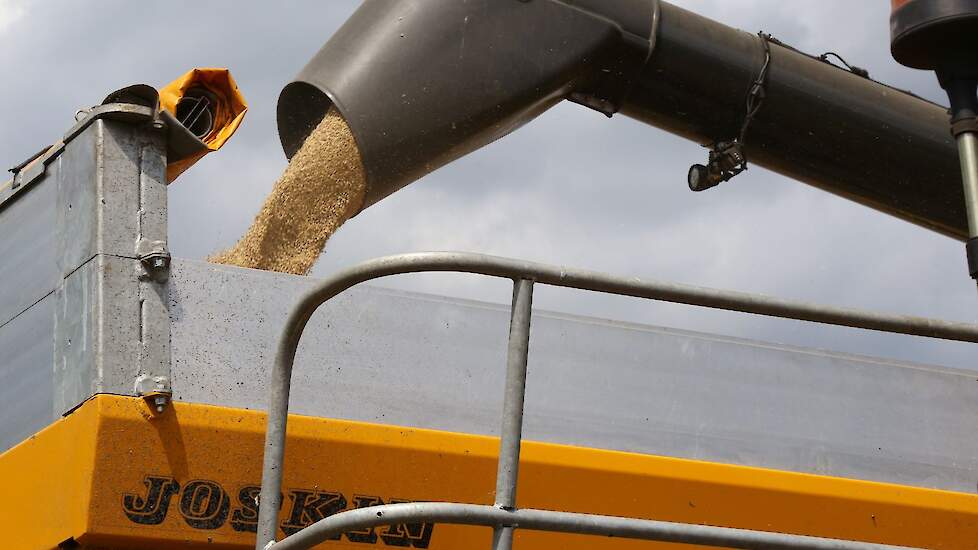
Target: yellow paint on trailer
<point x="115" y="475"/>
<point x="45" y="480"/>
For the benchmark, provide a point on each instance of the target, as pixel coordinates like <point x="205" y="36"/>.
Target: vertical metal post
<point x="968" y="155"/>
<point x="280" y="383"/>
<point x="511" y="434"/>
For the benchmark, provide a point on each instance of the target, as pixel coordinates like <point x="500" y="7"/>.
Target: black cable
<point x="755" y="96"/>
<point x="727" y="158"/>
<point x="852" y="68"/>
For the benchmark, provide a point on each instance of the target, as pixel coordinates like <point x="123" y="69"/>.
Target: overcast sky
<point x="572" y="187"/>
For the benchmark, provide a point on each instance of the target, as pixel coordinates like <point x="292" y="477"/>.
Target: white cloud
<point x="11" y="11"/>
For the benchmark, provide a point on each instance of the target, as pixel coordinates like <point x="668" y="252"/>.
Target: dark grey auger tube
<point x="424" y="82"/>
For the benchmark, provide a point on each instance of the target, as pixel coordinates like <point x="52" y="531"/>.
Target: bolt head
<point x="160" y="402"/>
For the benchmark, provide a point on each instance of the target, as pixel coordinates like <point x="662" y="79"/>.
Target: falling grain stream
<point x="321" y="188"/>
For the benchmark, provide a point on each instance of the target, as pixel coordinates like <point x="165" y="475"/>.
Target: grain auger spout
<point x="423" y="83"/>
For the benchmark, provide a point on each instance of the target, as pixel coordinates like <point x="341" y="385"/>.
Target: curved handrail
<point x="494" y="266"/>
<point x="558" y="522"/>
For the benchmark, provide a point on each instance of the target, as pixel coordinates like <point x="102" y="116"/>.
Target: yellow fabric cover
<point x="228" y="113"/>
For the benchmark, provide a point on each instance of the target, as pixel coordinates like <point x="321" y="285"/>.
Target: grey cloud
<point x="572" y="187"/>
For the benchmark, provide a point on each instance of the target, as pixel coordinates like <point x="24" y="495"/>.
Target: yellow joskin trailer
<point x="117" y="474"/>
<point x="130" y="379"/>
<point x="132" y="384"/>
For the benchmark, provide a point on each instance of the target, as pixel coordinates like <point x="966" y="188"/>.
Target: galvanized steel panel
<point x="26" y="376"/>
<point x="73" y="234"/>
<point x="112" y="192"/>
<point x="28" y="247"/>
<point x="110" y="328"/>
<point x="401" y="358"/>
<point x="77" y="205"/>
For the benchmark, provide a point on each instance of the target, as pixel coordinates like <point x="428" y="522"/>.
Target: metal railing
<point x="504" y="517"/>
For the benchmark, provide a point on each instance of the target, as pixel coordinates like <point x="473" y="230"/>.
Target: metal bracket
<point x="33" y="168"/>
<point x="961" y="126"/>
<point x="126" y="112"/>
<point x="155" y="260"/>
<point x="155" y="389"/>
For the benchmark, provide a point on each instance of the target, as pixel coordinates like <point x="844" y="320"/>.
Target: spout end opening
<point x="301" y="106"/>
